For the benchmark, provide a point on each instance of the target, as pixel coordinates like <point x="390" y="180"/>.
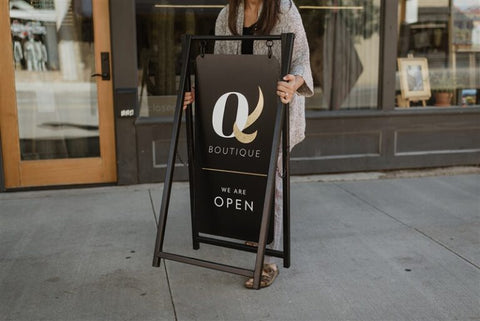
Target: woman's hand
<point x="189" y="98"/>
<point x="287" y="88"/>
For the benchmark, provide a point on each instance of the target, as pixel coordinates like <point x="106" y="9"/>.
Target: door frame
<point x="33" y="173"/>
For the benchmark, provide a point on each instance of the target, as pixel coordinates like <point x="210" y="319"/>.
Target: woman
<point x="270" y="17"/>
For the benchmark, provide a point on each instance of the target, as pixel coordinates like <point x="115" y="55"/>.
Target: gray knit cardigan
<point x="289" y="21"/>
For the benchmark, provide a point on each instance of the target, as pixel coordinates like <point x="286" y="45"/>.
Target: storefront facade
<point x="371" y="110"/>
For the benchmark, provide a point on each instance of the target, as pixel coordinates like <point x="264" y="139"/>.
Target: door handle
<point x="105" y="64"/>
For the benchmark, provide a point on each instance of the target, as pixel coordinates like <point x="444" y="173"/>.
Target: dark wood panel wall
<point x="124" y="66"/>
<point x="388" y="141"/>
<point x="347" y="143"/>
<point x="153" y="148"/>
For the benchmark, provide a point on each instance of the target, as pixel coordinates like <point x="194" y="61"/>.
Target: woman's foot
<point x="269" y="273"/>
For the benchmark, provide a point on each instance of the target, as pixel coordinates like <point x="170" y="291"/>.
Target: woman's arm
<point x="189" y="98"/>
<point x="300" y="66"/>
<point x="221" y="26"/>
<point x="288" y="87"/>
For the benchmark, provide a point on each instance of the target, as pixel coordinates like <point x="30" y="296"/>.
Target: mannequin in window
<point x="17" y="52"/>
<point x="40" y="54"/>
<point x="30" y="54"/>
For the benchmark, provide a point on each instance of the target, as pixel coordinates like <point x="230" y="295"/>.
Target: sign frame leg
<point x="167" y="186"/>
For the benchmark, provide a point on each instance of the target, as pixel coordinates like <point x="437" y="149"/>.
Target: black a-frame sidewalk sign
<point x="203" y="171"/>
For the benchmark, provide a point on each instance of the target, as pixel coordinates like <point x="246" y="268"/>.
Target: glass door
<point x="56" y="115"/>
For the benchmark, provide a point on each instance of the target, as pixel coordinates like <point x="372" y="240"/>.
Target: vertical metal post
<point x="177" y="120"/>
<point x="388" y="55"/>
<point x="269" y="192"/>
<point x="191" y="167"/>
<point x="287" y="49"/>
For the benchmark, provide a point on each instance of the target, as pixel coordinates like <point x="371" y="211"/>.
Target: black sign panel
<point x="236" y="105"/>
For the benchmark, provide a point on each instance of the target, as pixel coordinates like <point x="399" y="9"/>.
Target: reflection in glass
<point x="56" y="97"/>
<point x="447" y="34"/>
<point x="344" y="48"/>
<point x="159" y="35"/>
<point x="343" y="38"/>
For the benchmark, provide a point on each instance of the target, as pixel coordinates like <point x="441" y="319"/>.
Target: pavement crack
<point x="164" y="263"/>
<point x="409" y="226"/>
<point x="153" y="207"/>
<point x="170" y="291"/>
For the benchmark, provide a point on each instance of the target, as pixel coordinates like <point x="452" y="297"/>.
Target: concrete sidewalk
<point x="374" y="249"/>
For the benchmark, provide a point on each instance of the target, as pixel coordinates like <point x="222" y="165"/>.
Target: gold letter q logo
<point x="242" y="121"/>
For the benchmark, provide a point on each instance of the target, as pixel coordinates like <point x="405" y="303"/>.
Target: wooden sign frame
<point x="281" y="134"/>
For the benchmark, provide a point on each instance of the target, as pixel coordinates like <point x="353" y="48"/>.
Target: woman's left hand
<point x="287" y="88"/>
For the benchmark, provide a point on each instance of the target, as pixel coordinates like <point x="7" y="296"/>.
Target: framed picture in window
<point x="468" y="97"/>
<point x="414" y="80"/>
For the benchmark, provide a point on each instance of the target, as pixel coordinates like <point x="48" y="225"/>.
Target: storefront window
<point x="439" y="53"/>
<point x="343" y="38"/>
<point x="53" y="53"/>
<point x="160" y="27"/>
<point x="344" y="49"/>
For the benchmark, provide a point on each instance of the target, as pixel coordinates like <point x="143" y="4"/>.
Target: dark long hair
<point x="267" y="20"/>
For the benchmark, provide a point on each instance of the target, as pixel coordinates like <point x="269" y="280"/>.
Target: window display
<point x="445" y="34"/>
<point x="344" y="50"/>
<point x="29" y="50"/>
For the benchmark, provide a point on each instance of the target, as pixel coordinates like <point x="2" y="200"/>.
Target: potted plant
<point x="443" y="85"/>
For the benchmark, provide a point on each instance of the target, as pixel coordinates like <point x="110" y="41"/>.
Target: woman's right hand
<point x="189" y="98"/>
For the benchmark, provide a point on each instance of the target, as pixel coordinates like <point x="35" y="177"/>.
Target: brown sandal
<point x="269" y="273"/>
